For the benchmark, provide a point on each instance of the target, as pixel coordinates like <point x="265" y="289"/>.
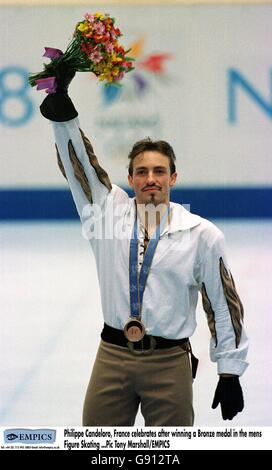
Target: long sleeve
<point x="224" y="310"/>
<point x="88" y="182"/>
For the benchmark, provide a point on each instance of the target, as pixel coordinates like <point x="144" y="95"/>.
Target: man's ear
<point x="173" y="179"/>
<point x="130" y="181"/>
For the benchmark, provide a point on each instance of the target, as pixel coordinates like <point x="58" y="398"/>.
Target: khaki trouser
<point x="161" y="383"/>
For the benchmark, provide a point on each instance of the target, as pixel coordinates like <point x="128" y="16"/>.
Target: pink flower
<point x="107" y="36"/>
<point x="96" y="55"/>
<point x="89" y="17"/>
<point x="99" y="29"/>
<point x="127" y="65"/>
<point x="52" y="52"/>
<point x="109" y="47"/>
<point x="48" y="84"/>
<point x="119" y="76"/>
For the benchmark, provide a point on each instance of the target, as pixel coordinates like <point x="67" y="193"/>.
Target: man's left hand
<point x="230" y="396"/>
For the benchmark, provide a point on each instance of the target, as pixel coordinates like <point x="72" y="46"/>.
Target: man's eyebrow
<point x="155" y="167"/>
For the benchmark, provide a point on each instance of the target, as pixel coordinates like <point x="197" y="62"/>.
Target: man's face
<point x="151" y="179"/>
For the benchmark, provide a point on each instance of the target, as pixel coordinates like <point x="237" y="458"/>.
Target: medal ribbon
<point x="137" y="283"/>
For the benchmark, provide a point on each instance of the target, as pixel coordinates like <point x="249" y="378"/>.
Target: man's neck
<point x="151" y="215"/>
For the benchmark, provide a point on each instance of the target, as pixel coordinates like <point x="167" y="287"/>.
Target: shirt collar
<point x="181" y="218"/>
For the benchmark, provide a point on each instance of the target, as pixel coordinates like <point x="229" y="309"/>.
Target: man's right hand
<point x="64" y="76"/>
<point x="58" y="106"/>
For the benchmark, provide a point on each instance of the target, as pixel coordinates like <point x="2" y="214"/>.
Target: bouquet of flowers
<point x="94" y="48"/>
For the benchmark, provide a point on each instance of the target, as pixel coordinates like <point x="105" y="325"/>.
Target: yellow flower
<point x="82" y="27"/>
<point x="99" y="16"/>
<point x="114" y="58"/>
<point x="105" y="76"/>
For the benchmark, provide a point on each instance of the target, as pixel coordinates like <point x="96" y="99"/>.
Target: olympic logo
<point x="16" y="107"/>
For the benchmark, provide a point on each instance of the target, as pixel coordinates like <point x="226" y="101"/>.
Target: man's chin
<point x="153" y="198"/>
<point x="149" y="196"/>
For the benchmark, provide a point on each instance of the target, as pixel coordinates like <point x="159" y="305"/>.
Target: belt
<point x="147" y="344"/>
<point x="115" y="336"/>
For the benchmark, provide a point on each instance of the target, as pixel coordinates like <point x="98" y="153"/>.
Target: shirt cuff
<point x="231" y="366"/>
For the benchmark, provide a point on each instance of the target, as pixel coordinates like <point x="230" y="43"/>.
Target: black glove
<point x="229" y="394"/>
<point x="58" y="106"/>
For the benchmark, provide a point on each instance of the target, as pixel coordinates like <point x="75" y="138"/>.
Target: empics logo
<point x="30" y="436"/>
<point x="11" y="437"/>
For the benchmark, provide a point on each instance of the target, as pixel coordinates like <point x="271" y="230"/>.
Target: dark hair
<point x="157" y="145"/>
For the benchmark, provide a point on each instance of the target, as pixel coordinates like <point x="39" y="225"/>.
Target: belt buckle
<point x="143" y="352"/>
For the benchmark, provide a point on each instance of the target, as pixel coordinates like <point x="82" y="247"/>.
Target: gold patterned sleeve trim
<point x="209" y="312"/>
<point x="79" y="169"/>
<point x="61" y="167"/>
<point x="79" y="172"/>
<point x="101" y="173"/>
<point x="234" y="303"/>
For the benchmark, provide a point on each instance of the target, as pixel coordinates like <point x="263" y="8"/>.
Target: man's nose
<point x="150" y="177"/>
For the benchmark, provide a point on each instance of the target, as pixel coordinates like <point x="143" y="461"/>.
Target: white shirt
<point x="186" y="261"/>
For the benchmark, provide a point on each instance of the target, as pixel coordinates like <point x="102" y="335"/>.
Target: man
<point x="152" y="257"/>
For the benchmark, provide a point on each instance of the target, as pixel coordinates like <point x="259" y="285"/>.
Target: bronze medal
<point x="134" y="330"/>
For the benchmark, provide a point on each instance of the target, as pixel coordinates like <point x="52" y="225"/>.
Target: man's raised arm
<point x="88" y="182"/>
